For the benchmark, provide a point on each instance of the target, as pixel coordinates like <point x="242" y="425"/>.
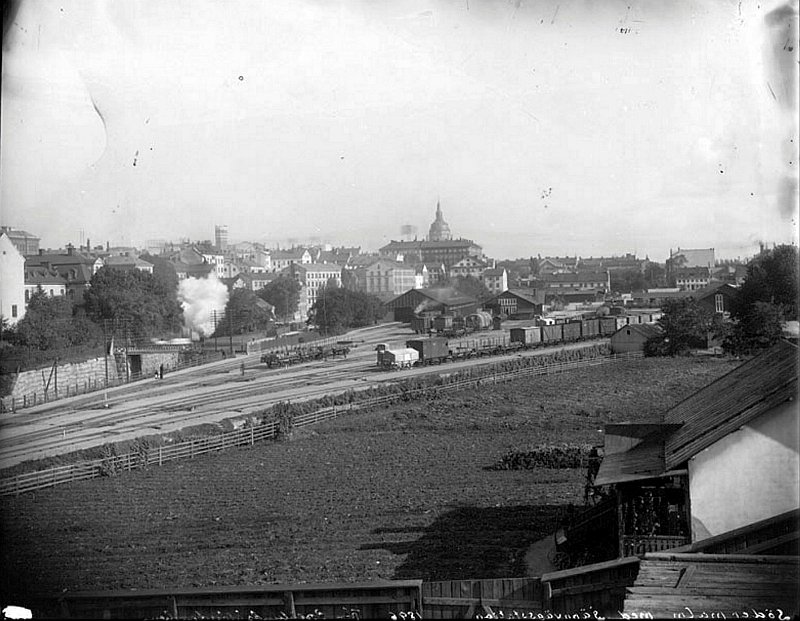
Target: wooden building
<point x="517" y="302"/>
<point x="724" y="458"/>
<point x="632" y="337"/>
<point x="444" y="301"/>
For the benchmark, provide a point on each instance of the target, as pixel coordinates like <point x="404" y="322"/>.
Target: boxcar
<point x="608" y="325"/>
<point x="398" y="358"/>
<point x="431" y="351"/>
<point x="571" y="331"/>
<point x="531" y="335"/>
<point x="590" y="328"/>
<point x="443" y="322"/>
<point x="421" y="325"/>
<point x="552" y="334"/>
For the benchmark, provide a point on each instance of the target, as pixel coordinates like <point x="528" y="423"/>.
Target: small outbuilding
<point x="632" y="337"/>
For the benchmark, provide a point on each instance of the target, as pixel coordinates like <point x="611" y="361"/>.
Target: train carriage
<point x="608" y="325"/>
<point x="571" y="331"/>
<point x="552" y="334"/>
<point x="528" y="336"/>
<point x="431" y="351"/>
<point x="403" y="358"/>
<point x="590" y="328"/>
<point x="421" y="325"/>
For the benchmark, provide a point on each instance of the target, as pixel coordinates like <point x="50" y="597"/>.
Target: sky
<point x="549" y="127"/>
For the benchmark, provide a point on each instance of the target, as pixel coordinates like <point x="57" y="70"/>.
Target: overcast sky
<point x="543" y="127"/>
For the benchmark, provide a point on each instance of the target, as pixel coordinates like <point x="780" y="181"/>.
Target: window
<point x="719" y="303"/>
<point x="27" y="296"/>
<point x="13" y="310"/>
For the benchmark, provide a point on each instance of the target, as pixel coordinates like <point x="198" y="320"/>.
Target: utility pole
<point x="105" y="356"/>
<point x="230" y="329"/>
<point x="215" y="329"/>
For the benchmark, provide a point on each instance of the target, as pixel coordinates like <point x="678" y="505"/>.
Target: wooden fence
<point x="463" y="599"/>
<point x="369" y="600"/>
<point x="599" y="587"/>
<point x="144" y="457"/>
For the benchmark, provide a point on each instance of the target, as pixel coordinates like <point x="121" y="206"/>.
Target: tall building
<point x="439" y="249"/>
<point x="12" y="280"/>
<point x="440" y="230"/>
<point x="221" y="237"/>
<point x="23" y="241"/>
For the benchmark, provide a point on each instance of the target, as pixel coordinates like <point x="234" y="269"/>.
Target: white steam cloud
<point x="200" y="297"/>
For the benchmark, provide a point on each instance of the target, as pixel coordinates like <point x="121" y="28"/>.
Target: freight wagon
<point x="571" y="331"/>
<point x="552" y="334"/>
<point x="431" y="351"/>
<point x="421" y="325"/>
<point x="403" y="358"/>
<point x="532" y="335"/>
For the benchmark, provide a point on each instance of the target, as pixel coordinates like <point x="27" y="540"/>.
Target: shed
<point x="632" y="337"/>
<point x="517" y="302"/>
<point x="415" y="301"/>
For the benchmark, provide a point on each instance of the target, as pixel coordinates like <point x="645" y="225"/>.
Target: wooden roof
<point x="727" y="584"/>
<point x="633" y="452"/>
<point x="735" y="399"/>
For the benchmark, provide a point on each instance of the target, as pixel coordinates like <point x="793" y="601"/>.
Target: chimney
<point x="108" y="246"/>
<point x="70" y="249"/>
<point x="88" y="245"/>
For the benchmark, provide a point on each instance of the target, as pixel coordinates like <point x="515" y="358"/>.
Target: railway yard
<point x="405" y="491"/>
<point x="210" y="394"/>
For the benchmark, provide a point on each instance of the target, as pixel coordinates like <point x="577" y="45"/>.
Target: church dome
<point x="440" y="230"/>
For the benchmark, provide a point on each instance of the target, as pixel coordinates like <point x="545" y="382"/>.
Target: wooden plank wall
<point x="460" y="599"/>
<point x="599" y="587"/>
<point x="376" y="600"/>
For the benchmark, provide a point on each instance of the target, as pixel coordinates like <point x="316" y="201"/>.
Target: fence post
<point x="252" y="434"/>
<point x="159" y="456"/>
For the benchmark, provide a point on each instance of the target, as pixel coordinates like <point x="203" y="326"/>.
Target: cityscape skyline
<point x="345" y="122"/>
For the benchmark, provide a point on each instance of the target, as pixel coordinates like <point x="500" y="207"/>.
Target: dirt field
<point x="401" y="492"/>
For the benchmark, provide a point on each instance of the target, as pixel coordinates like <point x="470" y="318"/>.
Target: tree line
<point x="764" y="302"/>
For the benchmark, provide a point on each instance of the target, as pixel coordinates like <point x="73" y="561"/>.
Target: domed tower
<point x="440" y="231"/>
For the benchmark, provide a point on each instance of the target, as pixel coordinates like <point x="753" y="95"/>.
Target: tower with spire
<point x="440" y="230"/>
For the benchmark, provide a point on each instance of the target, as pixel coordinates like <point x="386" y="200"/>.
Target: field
<point x="399" y="492"/>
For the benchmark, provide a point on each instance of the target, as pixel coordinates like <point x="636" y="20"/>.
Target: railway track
<point x="193" y="397"/>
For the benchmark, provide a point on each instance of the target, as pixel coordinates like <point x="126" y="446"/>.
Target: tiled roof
<point x="532" y="296"/>
<point x="579" y="277"/>
<point x="424" y="244"/>
<point x="41" y="276"/>
<point x="733" y="400"/>
<point x="76" y="258"/>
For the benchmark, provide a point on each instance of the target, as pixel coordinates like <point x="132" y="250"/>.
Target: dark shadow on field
<point x="473" y="542"/>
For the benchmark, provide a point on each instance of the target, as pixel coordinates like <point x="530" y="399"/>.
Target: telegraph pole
<point x="215" y="329"/>
<point x="230" y="329"/>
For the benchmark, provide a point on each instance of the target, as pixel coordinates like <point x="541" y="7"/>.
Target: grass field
<point x="399" y="492"/>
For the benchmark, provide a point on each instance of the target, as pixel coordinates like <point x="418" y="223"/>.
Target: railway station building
<point x="517" y="302"/>
<point x="431" y="301"/>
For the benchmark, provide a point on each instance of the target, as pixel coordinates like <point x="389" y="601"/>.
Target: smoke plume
<point x="200" y="298"/>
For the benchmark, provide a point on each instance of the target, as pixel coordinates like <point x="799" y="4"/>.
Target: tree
<point x="625" y="281"/>
<point x="135" y="301"/>
<point x="163" y="271"/>
<point x="766" y="299"/>
<point x="50" y="324"/>
<point x="284" y="294"/>
<point x="760" y="328"/>
<point x="772" y="278"/>
<point x="685" y="325"/>
<point x="337" y="310"/>
<point x="244" y="312"/>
